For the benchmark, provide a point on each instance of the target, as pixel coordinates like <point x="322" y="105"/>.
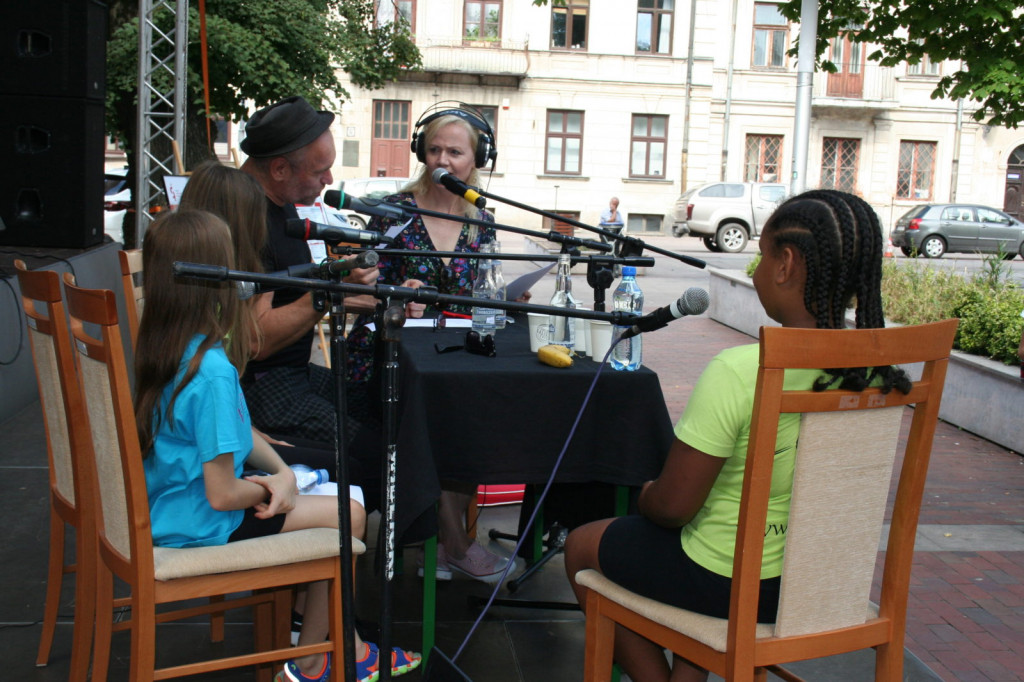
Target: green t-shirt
<point x="716" y="421"/>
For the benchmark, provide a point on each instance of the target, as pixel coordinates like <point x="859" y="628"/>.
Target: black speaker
<point x="54" y="48"/>
<point x="51" y="175"/>
<point x="51" y="122"/>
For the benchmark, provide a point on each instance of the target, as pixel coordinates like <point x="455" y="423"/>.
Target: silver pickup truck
<point x="726" y="215"/>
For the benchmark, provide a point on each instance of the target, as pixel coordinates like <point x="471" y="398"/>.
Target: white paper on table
<point x="331" y="488"/>
<point x="520" y="285"/>
<point x="428" y="322"/>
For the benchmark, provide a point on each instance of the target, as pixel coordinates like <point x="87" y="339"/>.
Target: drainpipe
<point x="804" y="85"/>
<point x="728" y="95"/>
<point x="686" y="102"/>
<point x="955" y="170"/>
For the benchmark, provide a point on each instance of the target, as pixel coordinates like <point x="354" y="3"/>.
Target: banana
<point x="555" y="355"/>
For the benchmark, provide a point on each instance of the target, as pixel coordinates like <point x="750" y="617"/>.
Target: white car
<point x="117" y="199"/>
<point x="374" y="188"/>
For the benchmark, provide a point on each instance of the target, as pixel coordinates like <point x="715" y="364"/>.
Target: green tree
<point x="259" y="51"/>
<point x="985" y="36"/>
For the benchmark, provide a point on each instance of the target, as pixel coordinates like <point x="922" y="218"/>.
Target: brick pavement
<point x="966" y="608"/>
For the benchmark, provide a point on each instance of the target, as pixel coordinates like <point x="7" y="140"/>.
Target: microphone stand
<point x="600" y="274"/>
<point x="394" y="319"/>
<point x="625" y="245"/>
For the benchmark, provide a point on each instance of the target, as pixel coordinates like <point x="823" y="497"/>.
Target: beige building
<point x="590" y="100"/>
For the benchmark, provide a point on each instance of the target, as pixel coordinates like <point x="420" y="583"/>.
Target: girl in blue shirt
<point x="195" y="431"/>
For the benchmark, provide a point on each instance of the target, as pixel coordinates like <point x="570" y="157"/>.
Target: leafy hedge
<point x="988" y="303"/>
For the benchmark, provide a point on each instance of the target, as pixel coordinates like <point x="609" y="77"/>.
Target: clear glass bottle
<point x="484" y="287"/>
<point x="500" y="287"/>
<point x="306" y="478"/>
<point x="562" y="329"/>
<point x="628" y="353"/>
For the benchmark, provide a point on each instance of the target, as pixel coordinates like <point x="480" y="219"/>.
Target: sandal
<point x="402" y="662"/>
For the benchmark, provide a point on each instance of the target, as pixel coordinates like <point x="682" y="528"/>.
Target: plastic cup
<point x="582" y="337"/>
<point x="600" y="339"/>
<point x="539" y="325"/>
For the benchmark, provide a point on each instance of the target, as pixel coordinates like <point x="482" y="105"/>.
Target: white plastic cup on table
<point x="540" y="326"/>
<point x="582" y="333"/>
<point x="600" y="339"/>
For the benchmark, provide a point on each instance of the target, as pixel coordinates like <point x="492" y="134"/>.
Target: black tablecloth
<point x="505" y="419"/>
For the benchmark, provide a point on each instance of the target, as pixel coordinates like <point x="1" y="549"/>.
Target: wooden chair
<point x="131" y="281"/>
<point x="844" y="464"/>
<point x="69" y="449"/>
<point x="159" y="575"/>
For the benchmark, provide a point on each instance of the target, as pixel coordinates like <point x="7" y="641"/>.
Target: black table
<point x="505" y="419"/>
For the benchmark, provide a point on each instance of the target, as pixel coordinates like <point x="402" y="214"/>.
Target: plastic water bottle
<point x="485" y="318"/>
<point x="628" y="353"/>
<point x="500" y="287"/>
<point x="307" y="478"/>
<point x="562" y="329"/>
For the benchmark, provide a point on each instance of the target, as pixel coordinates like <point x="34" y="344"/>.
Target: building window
<point x="483" y="20"/>
<point x="564" y="142"/>
<point x="916" y="169"/>
<point x="839" y="163"/>
<point x="388" y="9"/>
<point x="647" y="146"/>
<point x="643" y="222"/>
<point x="221" y="130"/>
<point x="490" y="115"/>
<point x="569" y="25"/>
<point x="654" y="26"/>
<point x="771" y="36"/>
<point x="762" y="159"/>
<point x="925" y="67"/>
<point x="112" y="148"/>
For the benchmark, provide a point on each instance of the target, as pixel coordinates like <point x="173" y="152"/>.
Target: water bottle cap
<point x="628" y="271"/>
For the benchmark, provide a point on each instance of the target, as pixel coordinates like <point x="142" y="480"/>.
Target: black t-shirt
<point x="282" y="252"/>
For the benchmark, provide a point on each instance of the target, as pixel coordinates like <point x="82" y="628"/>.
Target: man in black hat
<point x="291" y="151"/>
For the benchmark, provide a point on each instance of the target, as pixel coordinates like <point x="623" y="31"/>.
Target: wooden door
<point x="848" y="57"/>
<point x="389" y="147"/>
<point x="1013" y="192"/>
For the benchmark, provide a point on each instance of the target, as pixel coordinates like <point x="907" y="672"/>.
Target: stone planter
<point x="981" y="395"/>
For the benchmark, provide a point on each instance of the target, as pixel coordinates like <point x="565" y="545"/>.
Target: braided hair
<point x="840" y="239"/>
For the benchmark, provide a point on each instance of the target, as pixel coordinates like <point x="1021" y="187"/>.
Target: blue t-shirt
<point x="210" y="418"/>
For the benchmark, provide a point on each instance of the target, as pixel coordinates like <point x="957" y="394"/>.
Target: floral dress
<point x="455" y="279"/>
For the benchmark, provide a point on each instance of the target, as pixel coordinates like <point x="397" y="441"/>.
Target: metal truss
<point x="163" y="40"/>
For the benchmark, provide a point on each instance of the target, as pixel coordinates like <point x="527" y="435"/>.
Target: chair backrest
<point x="67" y="438"/>
<point x="124" y="525"/>
<point x="844" y="464"/>
<point x="131" y="281"/>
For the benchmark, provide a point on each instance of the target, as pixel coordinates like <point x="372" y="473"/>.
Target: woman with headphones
<point x="456" y="138"/>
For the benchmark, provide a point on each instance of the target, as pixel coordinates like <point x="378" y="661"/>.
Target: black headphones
<point x="485" y="150"/>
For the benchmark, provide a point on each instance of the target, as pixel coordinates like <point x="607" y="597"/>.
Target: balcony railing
<point x="873" y="84"/>
<point x="460" y="55"/>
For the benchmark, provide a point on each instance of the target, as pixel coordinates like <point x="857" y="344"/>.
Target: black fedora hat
<point x="284" y="127"/>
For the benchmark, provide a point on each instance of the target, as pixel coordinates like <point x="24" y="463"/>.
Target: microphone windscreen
<point x="332" y="198"/>
<point x="438" y="174"/>
<point x="694" y="301"/>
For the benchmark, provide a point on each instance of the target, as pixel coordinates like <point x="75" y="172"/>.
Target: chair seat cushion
<point x="273" y="550"/>
<point x="705" y="629"/>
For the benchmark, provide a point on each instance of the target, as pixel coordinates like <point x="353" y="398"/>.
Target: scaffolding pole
<point x="163" y="40"/>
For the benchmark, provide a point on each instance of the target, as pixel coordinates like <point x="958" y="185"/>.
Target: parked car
<point x="375" y="188"/>
<point x="117" y="199"/>
<point x="726" y="215"/>
<point x="934" y="229"/>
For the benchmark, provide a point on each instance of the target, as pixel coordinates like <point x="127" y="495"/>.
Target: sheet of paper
<point x="428" y="323"/>
<point x="522" y="284"/>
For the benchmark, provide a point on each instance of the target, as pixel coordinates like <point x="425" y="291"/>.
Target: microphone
<point x="303" y="228"/>
<point x="456" y="186"/>
<point x="694" y="301"/>
<point x="375" y="207"/>
<point x="323" y="270"/>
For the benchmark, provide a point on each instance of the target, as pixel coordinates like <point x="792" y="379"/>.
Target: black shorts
<point x="649" y="560"/>
<point x="252" y="527"/>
